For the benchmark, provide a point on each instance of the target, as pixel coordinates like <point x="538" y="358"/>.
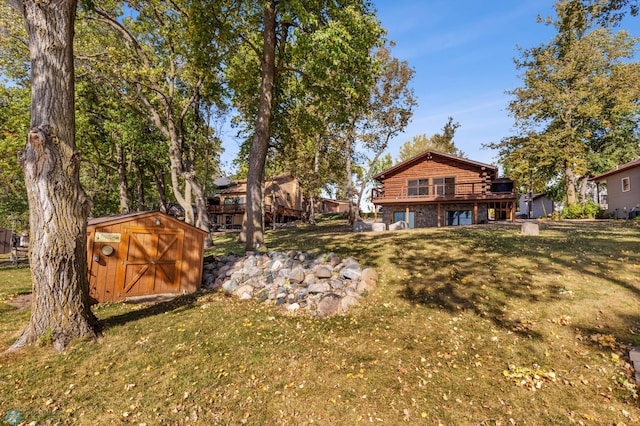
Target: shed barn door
<point x="150" y="261"/>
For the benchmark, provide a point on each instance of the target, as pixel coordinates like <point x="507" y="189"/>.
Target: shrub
<point x="588" y="210"/>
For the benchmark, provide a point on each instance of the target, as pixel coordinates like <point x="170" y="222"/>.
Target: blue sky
<point x="462" y="52"/>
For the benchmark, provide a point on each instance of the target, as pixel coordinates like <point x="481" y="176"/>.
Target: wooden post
<point x="474" y="218"/>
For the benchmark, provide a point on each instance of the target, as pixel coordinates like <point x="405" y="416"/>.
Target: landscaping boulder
<point x="369" y="276"/>
<point x="328" y="305"/>
<point x="323" y="271"/>
<point x="398" y="226"/>
<point x="361" y="227"/>
<point x="530" y="228"/>
<point x="378" y="226"/>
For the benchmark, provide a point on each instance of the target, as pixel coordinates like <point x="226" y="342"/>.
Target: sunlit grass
<point x="477" y="325"/>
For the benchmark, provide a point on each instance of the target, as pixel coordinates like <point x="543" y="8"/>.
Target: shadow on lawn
<point x="180" y="303"/>
<point x="491" y="271"/>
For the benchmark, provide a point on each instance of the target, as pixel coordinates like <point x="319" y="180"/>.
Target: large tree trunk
<point x="253" y="228"/>
<point x="140" y="188"/>
<point x="570" y="181"/>
<point x="158" y="176"/>
<point x="584" y="186"/>
<point x="123" y="190"/>
<point x="353" y="213"/>
<point x="316" y="172"/>
<point x="58" y="206"/>
<point x="367" y="177"/>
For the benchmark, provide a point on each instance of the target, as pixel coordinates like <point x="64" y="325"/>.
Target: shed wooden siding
<point x="175" y="247"/>
<point x="437" y="167"/>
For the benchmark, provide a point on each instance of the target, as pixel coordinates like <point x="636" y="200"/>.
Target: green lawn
<point x="474" y="325"/>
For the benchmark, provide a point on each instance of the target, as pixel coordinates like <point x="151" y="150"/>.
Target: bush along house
<point x="434" y="189"/>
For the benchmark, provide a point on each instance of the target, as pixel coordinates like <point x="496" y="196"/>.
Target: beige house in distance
<point x="623" y="190"/>
<point x="328" y="205"/>
<point x="282" y="202"/>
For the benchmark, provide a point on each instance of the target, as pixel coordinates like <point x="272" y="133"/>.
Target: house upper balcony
<point x="502" y="189"/>
<point x="240" y="208"/>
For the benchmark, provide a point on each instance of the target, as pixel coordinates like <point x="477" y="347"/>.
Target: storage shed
<point x="142" y="253"/>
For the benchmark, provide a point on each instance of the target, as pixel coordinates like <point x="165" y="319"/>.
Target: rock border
<point x="321" y="285"/>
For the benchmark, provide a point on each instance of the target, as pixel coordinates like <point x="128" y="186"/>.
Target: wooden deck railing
<point x="237" y="208"/>
<point x="441" y="192"/>
<point x="234" y="208"/>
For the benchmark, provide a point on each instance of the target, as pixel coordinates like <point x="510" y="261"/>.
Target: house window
<point x="402" y="215"/>
<point x="228" y="220"/>
<point x="459" y="217"/>
<point x="444" y="186"/>
<point x="626" y="184"/>
<point x="418" y="187"/>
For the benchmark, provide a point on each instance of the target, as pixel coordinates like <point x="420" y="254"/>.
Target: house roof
<point x="428" y="155"/>
<point x="135" y="215"/>
<point x="534" y="197"/>
<point x="630" y="165"/>
<point x="330" y="200"/>
<point x="240" y="186"/>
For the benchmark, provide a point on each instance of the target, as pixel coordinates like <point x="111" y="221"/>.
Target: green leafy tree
<point x="149" y="56"/>
<point x="14" y="124"/>
<point x="389" y="112"/>
<point x="441" y="142"/>
<point x="321" y="47"/>
<point x="576" y="112"/>
<point x="122" y="153"/>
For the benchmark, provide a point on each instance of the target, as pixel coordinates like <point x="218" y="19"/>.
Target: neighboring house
<point x="623" y="190"/>
<point x="282" y="203"/>
<point x="327" y="205"/>
<point x="541" y="206"/>
<point x="436" y="189"/>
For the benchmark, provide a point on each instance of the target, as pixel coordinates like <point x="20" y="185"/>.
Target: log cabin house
<point x="434" y="189"/>
<point x="283" y="202"/>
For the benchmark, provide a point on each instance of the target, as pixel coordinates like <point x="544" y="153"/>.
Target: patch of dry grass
<point x="477" y="325"/>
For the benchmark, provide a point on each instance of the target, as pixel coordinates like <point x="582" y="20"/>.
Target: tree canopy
<point x="576" y="112"/>
<point x="441" y="142"/>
